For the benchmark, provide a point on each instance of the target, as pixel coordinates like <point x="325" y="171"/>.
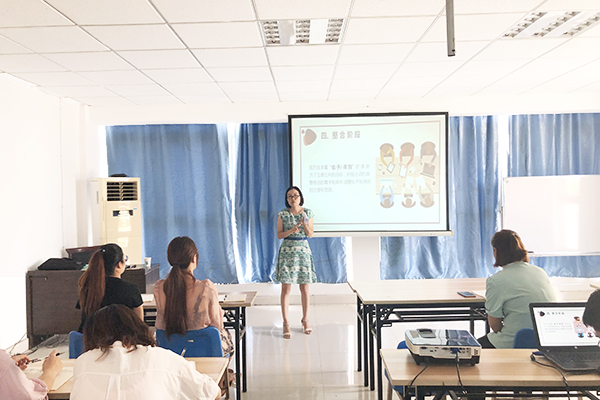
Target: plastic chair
<point x="199" y="343"/>
<point x="525" y="339"/>
<point x="399" y="389"/>
<point x="75" y="344"/>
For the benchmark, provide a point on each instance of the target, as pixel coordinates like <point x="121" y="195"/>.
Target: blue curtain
<point x="473" y="181"/>
<point x="262" y="176"/>
<point x="183" y="171"/>
<point x="557" y="144"/>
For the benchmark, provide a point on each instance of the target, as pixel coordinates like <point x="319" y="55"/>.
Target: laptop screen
<point x="560" y="324"/>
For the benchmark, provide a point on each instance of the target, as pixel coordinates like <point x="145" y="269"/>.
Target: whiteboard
<point x="554" y="215"/>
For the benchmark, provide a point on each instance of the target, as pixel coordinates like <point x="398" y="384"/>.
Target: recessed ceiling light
<point x="302" y="31"/>
<point x="553" y="24"/>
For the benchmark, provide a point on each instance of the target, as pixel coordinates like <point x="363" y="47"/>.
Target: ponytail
<point x="92" y="283"/>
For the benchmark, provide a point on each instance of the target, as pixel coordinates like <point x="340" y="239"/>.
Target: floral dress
<point x="294" y="261"/>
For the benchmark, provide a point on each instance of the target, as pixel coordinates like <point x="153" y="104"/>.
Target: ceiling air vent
<point x="121" y="191"/>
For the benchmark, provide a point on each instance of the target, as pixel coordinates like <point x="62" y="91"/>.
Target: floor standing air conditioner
<point x="117" y="215"/>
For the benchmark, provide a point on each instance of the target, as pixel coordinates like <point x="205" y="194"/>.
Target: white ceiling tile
<point x="204" y="98"/>
<point x="558" y="85"/>
<point x="513" y="49"/>
<point x="452" y="91"/>
<point x="160" y="59"/>
<point x="54" y="78"/>
<point x="247" y="87"/>
<point x="193" y="89"/>
<point x="276" y="9"/>
<point x="378" y="71"/>
<point x="89" y="61"/>
<point x="352" y="94"/>
<point x="568" y="5"/>
<point x="376" y="53"/>
<point x="136" y="37"/>
<point x="138" y="90"/>
<point x="78" y="91"/>
<point x="105" y="78"/>
<point x="386" y="30"/>
<point x="590" y="88"/>
<point x="474" y="27"/>
<point x="254" y="97"/>
<point x="154" y="100"/>
<point x="588" y="71"/>
<point x="243" y="74"/>
<point x="223" y="34"/>
<point x="29" y="13"/>
<point x="27" y="63"/>
<point x="404" y="82"/>
<point x="303" y="86"/>
<point x="104" y="101"/>
<point x="168" y="76"/>
<point x="303" y="55"/>
<point x="379" y="8"/>
<point x="428" y="68"/>
<point x="399" y="93"/>
<point x="576" y="47"/>
<point x="545" y="69"/>
<point x="360" y="85"/>
<point x="307" y="73"/>
<point x="489" y="68"/>
<point x="493" y="6"/>
<point x="248" y="57"/>
<point x="53" y="39"/>
<point x="304" y="96"/>
<point x="438" y="51"/>
<point x="594" y="31"/>
<point x="10" y="47"/>
<point x="205" y="10"/>
<point x="106" y="12"/>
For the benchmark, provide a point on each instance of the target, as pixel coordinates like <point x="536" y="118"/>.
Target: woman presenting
<point x="295" y="261"/>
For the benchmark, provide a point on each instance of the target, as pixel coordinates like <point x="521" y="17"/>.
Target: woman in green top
<point x="295" y="261"/>
<point x="510" y="290"/>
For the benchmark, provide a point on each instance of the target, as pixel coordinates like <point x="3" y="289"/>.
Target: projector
<point x="442" y="346"/>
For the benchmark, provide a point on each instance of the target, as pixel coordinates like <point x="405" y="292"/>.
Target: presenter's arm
<point x="281" y="234"/>
<point x="495" y="323"/>
<point x="308" y="228"/>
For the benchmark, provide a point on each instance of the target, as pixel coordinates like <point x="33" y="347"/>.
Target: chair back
<point x="525" y="339"/>
<point x="75" y="344"/>
<point x="199" y="343"/>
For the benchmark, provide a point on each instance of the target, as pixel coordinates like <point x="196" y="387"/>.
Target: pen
<point x="183" y="352"/>
<point x="40" y="359"/>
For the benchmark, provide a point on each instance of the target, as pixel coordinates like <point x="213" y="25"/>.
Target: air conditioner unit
<point x="117" y="215"/>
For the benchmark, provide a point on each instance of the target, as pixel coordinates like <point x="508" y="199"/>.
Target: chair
<point x="75" y="344"/>
<point x="199" y="343"/>
<point x="525" y="339"/>
<point x="399" y="389"/>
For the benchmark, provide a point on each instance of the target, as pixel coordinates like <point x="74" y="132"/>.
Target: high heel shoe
<point x="287" y="334"/>
<point x="305" y="327"/>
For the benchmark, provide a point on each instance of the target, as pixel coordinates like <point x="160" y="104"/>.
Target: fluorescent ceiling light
<point x="553" y="24"/>
<point x="302" y="31"/>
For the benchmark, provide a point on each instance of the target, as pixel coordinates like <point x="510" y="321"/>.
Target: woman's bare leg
<point x="286" y="288"/>
<point x="305" y="306"/>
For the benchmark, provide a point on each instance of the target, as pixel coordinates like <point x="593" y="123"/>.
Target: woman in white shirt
<point x="122" y="362"/>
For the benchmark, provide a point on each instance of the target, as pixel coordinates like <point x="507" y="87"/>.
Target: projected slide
<point x="372" y="173"/>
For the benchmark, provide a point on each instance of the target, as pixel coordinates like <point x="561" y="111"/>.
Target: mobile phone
<point x="466" y="294"/>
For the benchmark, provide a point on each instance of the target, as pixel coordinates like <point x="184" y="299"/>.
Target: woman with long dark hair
<point x="510" y="290"/>
<point x="184" y="303"/>
<point x="101" y="284"/>
<point x="122" y="362"/>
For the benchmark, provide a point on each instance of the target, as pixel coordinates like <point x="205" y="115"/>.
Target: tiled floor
<point x="321" y="366"/>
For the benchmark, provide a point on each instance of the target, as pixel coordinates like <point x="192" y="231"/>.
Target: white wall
<point x="39" y="166"/>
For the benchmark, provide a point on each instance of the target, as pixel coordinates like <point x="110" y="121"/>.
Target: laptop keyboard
<point x="579" y="357"/>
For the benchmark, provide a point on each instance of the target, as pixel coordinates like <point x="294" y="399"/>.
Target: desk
<point x="235" y="318"/>
<point x="214" y="367"/>
<point x="499" y="369"/>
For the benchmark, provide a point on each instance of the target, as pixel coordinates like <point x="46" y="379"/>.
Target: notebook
<point x="63" y="376"/>
<point x="563" y="337"/>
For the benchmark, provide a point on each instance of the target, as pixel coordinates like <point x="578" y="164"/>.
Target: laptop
<point x="563" y="337"/>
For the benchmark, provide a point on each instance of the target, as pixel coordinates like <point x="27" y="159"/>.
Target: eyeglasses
<point x="293" y="197"/>
<point x="125" y="258"/>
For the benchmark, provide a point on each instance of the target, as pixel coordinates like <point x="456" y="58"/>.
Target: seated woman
<point x="101" y="284"/>
<point x="184" y="303"/>
<point x="591" y="315"/>
<point x="122" y="362"/>
<point x="510" y="290"/>
<point x="14" y="385"/>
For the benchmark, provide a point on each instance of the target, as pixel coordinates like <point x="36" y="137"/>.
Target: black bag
<point x="60" y="264"/>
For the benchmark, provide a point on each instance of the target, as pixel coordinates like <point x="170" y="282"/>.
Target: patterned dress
<point x="294" y="261"/>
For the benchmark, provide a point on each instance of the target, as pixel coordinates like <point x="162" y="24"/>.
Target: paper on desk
<point x="147" y="297"/>
<point x="64" y="375"/>
<point x="232" y="297"/>
<point x="480" y="293"/>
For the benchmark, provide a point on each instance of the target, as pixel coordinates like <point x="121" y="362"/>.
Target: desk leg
<point x="366" y="336"/>
<point x="378" y="324"/>
<point x="238" y="366"/>
<point x="371" y="347"/>
<point x="472" y="321"/>
<point x="244" y="351"/>
<point x="358" y="333"/>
